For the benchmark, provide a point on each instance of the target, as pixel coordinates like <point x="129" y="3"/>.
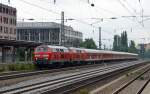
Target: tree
<point x="132" y="48"/>
<point x="124" y="42"/>
<point x="117" y="43"/>
<point x="146" y="54"/>
<point x="88" y="43"/>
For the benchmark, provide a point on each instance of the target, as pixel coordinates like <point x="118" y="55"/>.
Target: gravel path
<point x="112" y="86"/>
<point x="146" y="90"/>
<point x="136" y="85"/>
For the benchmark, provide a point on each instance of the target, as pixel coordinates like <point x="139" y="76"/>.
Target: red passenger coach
<point x="77" y="55"/>
<point x="58" y="55"/>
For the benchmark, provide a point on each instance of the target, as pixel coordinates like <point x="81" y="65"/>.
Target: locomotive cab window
<point x="61" y="50"/>
<point x="41" y="49"/>
<point x="57" y="50"/>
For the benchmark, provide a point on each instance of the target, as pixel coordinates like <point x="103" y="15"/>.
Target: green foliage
<point x="121" y="43"/>
<point x="88" y="43"/>
<point x="83" y="91"/>
<point x="2" y="69"/>
<point x="142" y="78"/>
<point x="117" y="43"/>
<point x="17" y="67"/>
<point x="20" y="54"/>
<point x="124" y="42"/>
<point x="132" y="48"/>
<point x="127" y="74"/>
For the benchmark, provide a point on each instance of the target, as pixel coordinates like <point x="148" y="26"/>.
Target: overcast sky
<point x="84" y="15"/>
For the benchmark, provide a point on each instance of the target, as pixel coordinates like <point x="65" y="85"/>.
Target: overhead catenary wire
<point x="100" y="8"/>
<point x="49" y="10"/>
<point x="134" y="10"/>
<point x="83" y="22"/>
<point x="123" y="5"/>
<point x="142" y="12"/>
<point x="78" y="20"/>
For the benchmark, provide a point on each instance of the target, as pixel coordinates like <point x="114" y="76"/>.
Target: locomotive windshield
<point x="41" y="49"/>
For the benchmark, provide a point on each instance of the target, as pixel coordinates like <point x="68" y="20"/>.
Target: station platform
<point x="146" y="90"/>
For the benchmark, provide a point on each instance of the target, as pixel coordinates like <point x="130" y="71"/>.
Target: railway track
<point x="16" y="74"/>
<point x="57" y="83"/>
<point x="136" y="85"/>
<point x="143" y="87"/>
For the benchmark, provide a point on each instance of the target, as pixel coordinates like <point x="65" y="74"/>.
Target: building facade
<point x="7" y="30"/>
<point x="48" y="33"/>
<point x="7" y="22"/>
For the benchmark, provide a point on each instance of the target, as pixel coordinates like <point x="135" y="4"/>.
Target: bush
<point x="2" y="69"/>
<point x="127" y="74"/>
<point x="18" y="67"/>
<point x="11" y="67"/>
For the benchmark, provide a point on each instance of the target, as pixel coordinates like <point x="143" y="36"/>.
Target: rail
<point x="74" y="78"/>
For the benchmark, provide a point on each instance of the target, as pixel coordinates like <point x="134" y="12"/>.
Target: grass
<point x="127" y="74"/>
<point x="83" y="91"/>
<point x="142" y="78"/>
<point x="17" y="67"/>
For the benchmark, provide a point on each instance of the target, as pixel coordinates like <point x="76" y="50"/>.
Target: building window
<point x="6" y="37"/>
<point x="10" y="32"/>
<point x="1" y="19"/>
<point x="3" y="10"/>
<point x="6" y="30"/>
<point x="0" y="9"/>
<point x="14" y="31"/>
<point x="1" y="29"/>
<point x="6" y="10"/>
<point x="10" y="21"/>
<point x="5" y="20"/>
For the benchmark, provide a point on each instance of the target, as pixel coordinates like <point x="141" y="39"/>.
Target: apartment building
<point x="7" y="22"/>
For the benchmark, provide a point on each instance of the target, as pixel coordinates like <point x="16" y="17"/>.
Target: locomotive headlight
<point x="37" y="55"/>
<point x="45" y="55"/>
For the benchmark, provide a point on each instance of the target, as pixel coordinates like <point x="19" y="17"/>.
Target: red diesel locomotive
<point x="59" y="55"/>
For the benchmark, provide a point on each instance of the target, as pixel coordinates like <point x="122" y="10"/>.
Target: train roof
<point x="76" y="48"/>
<point x="109" y="52"/>
<point x="89" y="50"/>
<point x="58" y="47"/>
<point x="101" y="51"/>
